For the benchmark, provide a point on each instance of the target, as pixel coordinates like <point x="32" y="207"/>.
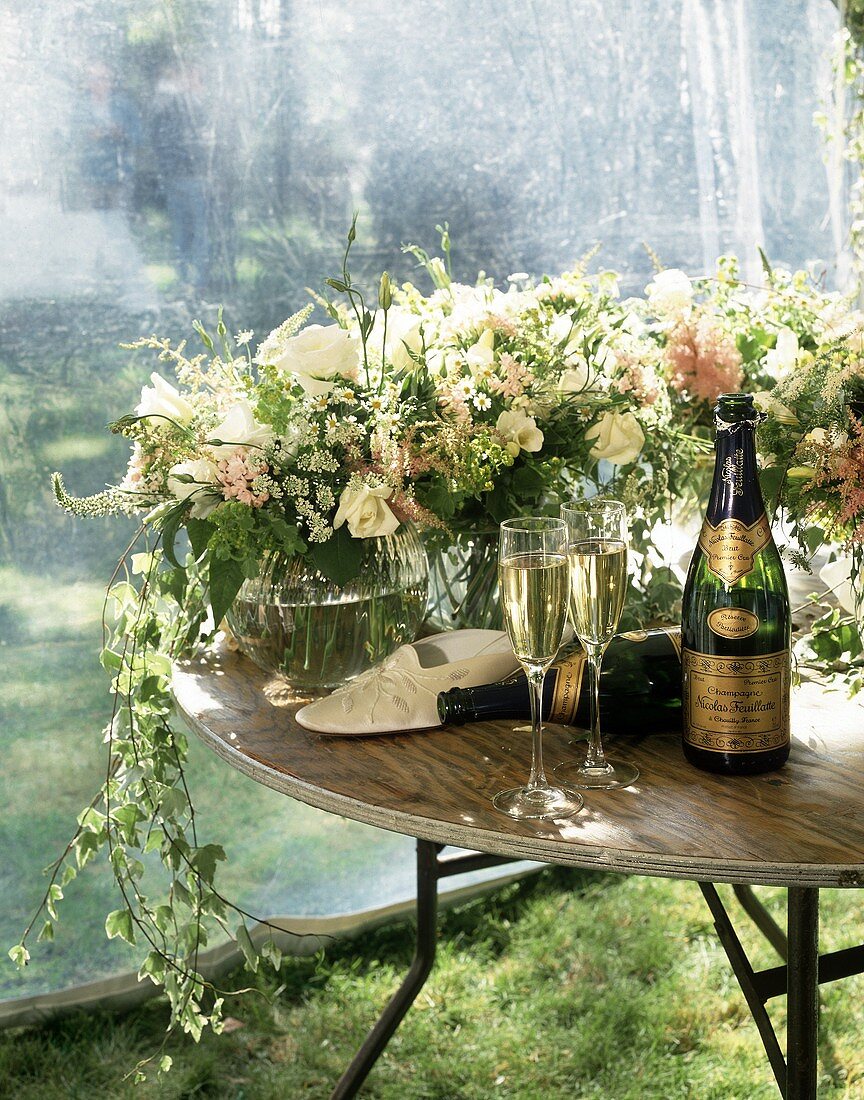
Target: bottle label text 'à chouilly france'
<point x="736" y="704"/>
<point x="731" y="547"/>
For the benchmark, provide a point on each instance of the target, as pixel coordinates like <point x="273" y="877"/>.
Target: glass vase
<point x="294" y="622"/>
<point x="463" y="581"/>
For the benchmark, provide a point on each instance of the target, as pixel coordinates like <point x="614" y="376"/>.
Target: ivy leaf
<point x="55" y="894"/>
<point x="339" y="558"/>
<point x="119" y="923"/>
<point x="204" y="860"/>
<point x="440" y="499"/>
<point x="86" y="847"/>
<point x="225" y="578"/>
<point x="528" y="482"/>
<point x="19" y="955"/>
<point x="244" y="942"/>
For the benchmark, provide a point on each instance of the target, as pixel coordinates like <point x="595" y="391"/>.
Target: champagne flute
<point x="597" y="552"/>
<point x="533" y="578"/>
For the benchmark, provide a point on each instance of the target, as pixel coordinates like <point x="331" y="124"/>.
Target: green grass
<point x="565" y="985"/>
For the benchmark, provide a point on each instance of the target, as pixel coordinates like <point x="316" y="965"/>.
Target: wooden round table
<point x="801" y="827"/>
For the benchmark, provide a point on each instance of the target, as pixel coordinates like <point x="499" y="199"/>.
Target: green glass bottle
<point x="640" y="689"/>
<point x="736" y="625"/>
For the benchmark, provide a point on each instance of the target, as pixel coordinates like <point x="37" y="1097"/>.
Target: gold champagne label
<point x="733" y="622"/>
<point x="568" y="687"/>
<point x="736" y="704"/>
<point x="731" y="547"/>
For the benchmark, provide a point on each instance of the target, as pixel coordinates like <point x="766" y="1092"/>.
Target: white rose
<point x="619" y="438"/>
<point x="561" y="329"/>
<point x="766" y="402"/>
<point x="520" y="432"/>
<point x="403" y="335"/>
<point x="239" y="428"/>
<point x="784" y="355"/>
<point x="670" y="292"/>
<point x="576" y="379"/>
<point x="315" y="357"/>
<point x="366" y="512"/>
<point x="162" y="399"/>
<point x="201" y="487"/>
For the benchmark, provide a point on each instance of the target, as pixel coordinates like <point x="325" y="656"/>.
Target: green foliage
<point x="143" y="808"/>
<point x="834" y="644"/>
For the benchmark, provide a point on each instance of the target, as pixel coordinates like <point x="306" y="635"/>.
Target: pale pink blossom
<point x="703" y="360"/>
<point x="236" y="474"/>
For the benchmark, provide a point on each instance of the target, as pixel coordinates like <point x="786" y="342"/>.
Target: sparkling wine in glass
<point x="597" y="553"/>
<point x="533" y="574"/>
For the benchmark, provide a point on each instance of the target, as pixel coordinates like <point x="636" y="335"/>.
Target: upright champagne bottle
<point x="736" y="626"/>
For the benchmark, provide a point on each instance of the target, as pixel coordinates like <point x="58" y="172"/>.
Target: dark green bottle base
<point x="723" y="763"/>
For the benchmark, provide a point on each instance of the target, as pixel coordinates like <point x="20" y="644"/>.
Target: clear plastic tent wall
<point x="157" y="159"/>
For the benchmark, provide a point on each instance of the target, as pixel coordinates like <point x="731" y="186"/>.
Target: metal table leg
<point x="403" y="998"/>
<point x="429" y="870"/>
<point x="798" y="978"/>
<point x="802" y="994"/>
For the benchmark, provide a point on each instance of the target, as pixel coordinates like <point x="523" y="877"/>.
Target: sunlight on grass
<point x="45" y="610"/>
<point x="567" y="985"/>
<point x="73" y="448"/>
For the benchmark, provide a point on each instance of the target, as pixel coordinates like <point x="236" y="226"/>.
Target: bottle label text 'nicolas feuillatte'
<point x="736" y="704"/>
<point x="731" y="546"/>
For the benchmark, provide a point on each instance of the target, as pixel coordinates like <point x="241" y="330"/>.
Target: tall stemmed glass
<point x="533" y="578"/>
<point x="597" y="552"/>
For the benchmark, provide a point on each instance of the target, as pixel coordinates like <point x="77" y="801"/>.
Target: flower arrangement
<point x="453" y="410"/>
<point x="812" y="443"/>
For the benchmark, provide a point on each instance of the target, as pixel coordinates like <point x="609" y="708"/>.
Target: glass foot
<point x="538" y="803"/>
<point x="614" y="773"/>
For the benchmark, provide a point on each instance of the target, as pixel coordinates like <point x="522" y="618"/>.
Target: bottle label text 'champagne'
<point x="736" y="704"/>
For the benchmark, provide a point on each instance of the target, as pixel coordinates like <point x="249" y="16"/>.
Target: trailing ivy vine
<point x="170" y="905"/>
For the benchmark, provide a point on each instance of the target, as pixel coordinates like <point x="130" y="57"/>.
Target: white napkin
<point x="401" y="692"/>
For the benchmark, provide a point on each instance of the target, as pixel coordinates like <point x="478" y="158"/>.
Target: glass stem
<point x="537" y="779"/>
<point x="595" y="757"/>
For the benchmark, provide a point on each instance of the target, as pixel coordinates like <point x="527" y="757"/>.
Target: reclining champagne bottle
<point x="640" y="688"/>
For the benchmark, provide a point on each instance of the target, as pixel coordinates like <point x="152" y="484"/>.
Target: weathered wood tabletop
<point x="800" y="826"/>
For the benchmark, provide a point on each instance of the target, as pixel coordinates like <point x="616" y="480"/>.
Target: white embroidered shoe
<point x="401" y="692"/>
